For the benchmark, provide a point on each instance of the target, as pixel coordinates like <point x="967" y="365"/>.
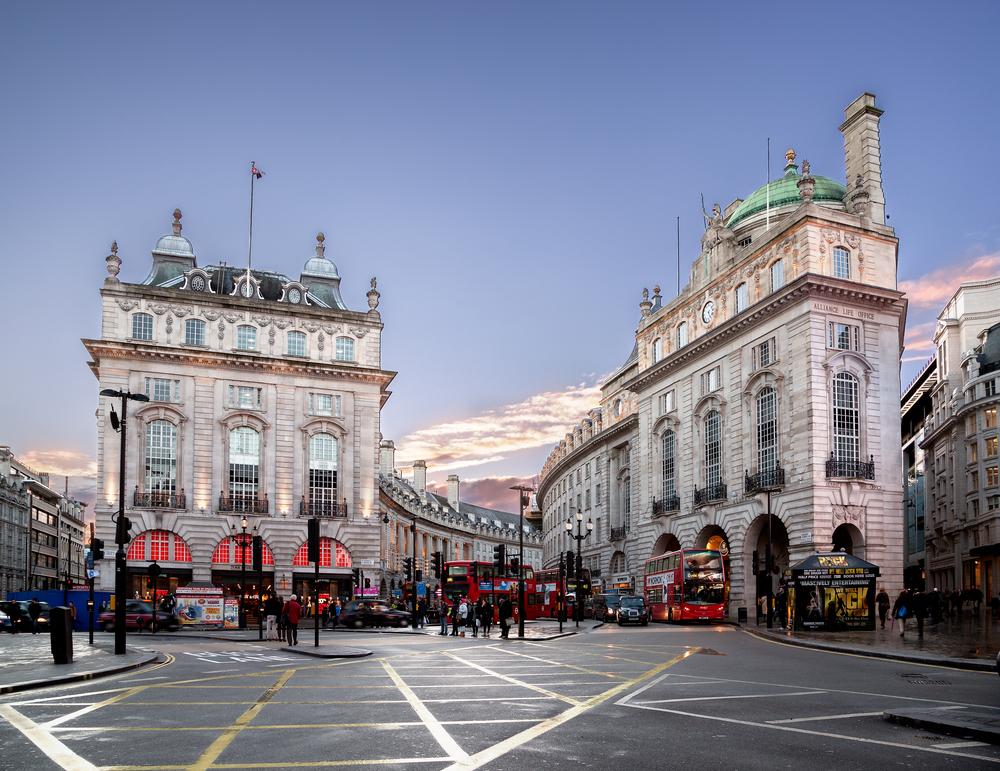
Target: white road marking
<point x="143" y="679"/>
<point x="826" y="717"/>
<point x="723" y="698"/>
<point x="58" y="752"/>
<point x="956" y="745"/>
<point x="841" y="736"/>
<point x="519" y="683"/>
<point x="448" y="744"/>
<point x="91" y="708"/>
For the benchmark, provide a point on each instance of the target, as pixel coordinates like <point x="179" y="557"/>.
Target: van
<point x="606" y="607"/>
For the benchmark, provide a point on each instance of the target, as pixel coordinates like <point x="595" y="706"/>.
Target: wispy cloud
<point x="934" y="289"/>
<point x="535" y="422"/>
<point x="920" y="337"/>
<point x="488" y="492"/>
<point x="60" y="462"/>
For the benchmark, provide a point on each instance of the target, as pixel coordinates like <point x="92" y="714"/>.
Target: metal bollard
<point x="61" y="633"/>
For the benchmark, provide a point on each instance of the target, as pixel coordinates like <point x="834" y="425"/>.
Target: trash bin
<point x="61" y="632"/>
<point x="741" y="615"/>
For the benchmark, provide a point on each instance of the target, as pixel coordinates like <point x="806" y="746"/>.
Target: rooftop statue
<point x="716" y="232"/>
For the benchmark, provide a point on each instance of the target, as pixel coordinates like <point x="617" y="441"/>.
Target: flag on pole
<point x="256" y="172"/>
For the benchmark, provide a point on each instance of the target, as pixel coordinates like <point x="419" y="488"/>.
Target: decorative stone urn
<point x="114" y="261"/>
<point x="806" y="185"/>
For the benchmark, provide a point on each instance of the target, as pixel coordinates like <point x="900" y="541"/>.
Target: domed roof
<point x="319" y="266"/>
<point x="784" y="191"/>
<point x="174" y="244"/>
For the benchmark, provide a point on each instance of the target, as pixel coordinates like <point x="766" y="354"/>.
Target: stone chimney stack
<point x="420" y="477"/>
<point x="862" y="155"/>
<point x="386" y="457"/>
<point x="453" y="491"/>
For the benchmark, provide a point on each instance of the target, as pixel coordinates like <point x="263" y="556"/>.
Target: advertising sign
<point x="199" y="605"/>
<point x="232" y="613"/>
<point x="832" y="592"/>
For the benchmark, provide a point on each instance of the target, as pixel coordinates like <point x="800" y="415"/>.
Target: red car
<point x="139" y="616"/>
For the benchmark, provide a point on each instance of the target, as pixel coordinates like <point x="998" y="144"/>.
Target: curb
<point x="966" y="664"/>
<point x="80" y="676"/>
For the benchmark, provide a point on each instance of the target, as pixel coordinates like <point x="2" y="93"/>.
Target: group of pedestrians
<point x="283" y="619"/>
<point x="17" y="619"/>
<point x="477" y="617"/>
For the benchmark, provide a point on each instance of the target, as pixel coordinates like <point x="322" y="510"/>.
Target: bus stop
<point x="831" y="593"/>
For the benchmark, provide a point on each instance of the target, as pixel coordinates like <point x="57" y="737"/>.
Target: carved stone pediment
<point x="850" y="515"/>
<point x="127" y="305"/>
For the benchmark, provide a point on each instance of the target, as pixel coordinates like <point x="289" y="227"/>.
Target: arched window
<point x="344" y="350"/>
<point x="142" y="326"/>
<point x="657" y="350"/>
<point x="846" y="418"/>
<point x="841" y="262"/>
<point x="246" y="338"/>
<point x="742" y="299"/>
<point x="296" y="344"/>
<point x="777" y="275"/>
<point x="231" y="551"/>
<point x="161" y="461"/>
<point x="322" y="475"/>
<point x="244" y="468"/>
<point x="713" y="449"/>
<point x="669" y="488"/>
<point x="194" y="332"/>
<point x="682" y="334"/>
<point x="767" y="430"/>
<point x="331" y="554"/>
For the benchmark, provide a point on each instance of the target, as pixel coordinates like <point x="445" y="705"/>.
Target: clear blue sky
<point x="510" y="171"/>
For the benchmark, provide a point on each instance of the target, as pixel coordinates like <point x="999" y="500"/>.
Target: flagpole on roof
<point x="767" y="184"/>
<point x="253" y="173"/>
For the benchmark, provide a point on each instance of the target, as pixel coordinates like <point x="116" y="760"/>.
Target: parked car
<point x="588" y="608"/>
<point x="25" y="625"/>
<point x="632" y="610"/>
<point x="362" y="613"/>
<point x="139" y="616"/>
<point x="606" y="607"/>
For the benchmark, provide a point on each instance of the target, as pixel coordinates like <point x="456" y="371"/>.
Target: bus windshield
<point x="458" y="570"/>
<point x="453" y="591"/>
<point x="703" y="593"/>
<point x="702" y="566"/>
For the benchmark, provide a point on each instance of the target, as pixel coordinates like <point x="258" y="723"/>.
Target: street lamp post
<point x="243" y="565"/>
<point x="579" y="537"/>
<point x="121" y="529"/>
<point x="523" y="500"/>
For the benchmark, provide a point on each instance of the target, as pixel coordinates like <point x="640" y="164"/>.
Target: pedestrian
<point x="422" y="612"/>
<point x="335" y="613"/>
<point x="487" y="617"/>
<point x="443" y="616"/>
<point x="463" y="617"/>
<point x="883" y="602"/>
<point x="506" y="611"/>
<point x="272" y="610"/>
<point x="934" y="600"/>
<point x="15" y="617"/>
<point x="995" y="604"/>
<point x="293" y="611"/>
<point x="919" y="605"/>
<point x="901" y="611"/>
<point x="34" y="611"/>
<point x="453" y="613"/>
<point x="781" y="606"/>
<point x="976" y="595"/>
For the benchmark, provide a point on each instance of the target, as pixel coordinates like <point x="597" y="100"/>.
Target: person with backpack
<point x="900" y="610"/>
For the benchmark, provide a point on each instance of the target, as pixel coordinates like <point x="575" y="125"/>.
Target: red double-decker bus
<point x="687" y="585"/>
<point x="473" y="580"/>
<point x="548" y="589"/>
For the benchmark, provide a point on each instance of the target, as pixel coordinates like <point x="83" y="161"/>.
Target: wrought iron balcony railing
<point x="617" y="533"/>
<point x="850" y="469"/>
<point x="157" y="500"/>
<point x="246" y="504"/>
<point x="323" y="509"/>
<point x="716" y="492"/>
<point x="673" y="503"/>
<point x="763" y="480"/>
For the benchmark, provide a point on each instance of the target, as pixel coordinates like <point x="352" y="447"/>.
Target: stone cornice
<point x="805" y="287"/>
<point x="137" y="352"/>
<point x="623" y="426"/>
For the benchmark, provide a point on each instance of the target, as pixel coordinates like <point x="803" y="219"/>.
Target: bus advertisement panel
<point x="687" y="585"/>
<point x="473" y="580"/>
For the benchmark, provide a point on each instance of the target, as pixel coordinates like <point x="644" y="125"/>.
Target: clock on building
<point x="294" y="296"/>
<point x="247" y="289"/>
<point x="198" y="284"/>
<point x="708" y="312"/>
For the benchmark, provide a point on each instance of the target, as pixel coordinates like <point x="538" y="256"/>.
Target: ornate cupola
<point x="172" y="255"/>
<point x="322" y="278"/>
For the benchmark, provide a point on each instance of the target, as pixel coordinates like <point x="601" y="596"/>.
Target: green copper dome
<point x="784" y="191"/>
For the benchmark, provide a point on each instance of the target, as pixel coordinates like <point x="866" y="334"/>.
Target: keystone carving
<point x="127" y="305"/>
<point x="358" y="333"/>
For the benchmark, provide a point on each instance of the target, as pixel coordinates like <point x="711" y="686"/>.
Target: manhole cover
<point x="710" y="652"/>
<point x="911" y="674"/>
<point x="930" y="682"/>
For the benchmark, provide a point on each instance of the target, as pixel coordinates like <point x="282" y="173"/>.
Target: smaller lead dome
<point x="174" y="244"/>
<point x="319" y="266"/>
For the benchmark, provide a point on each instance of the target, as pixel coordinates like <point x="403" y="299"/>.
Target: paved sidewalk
<point x="965" y="643"/>
<point x="26" y="661"/>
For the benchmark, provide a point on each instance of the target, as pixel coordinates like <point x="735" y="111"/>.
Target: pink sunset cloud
<point x="932" y="290"/>
<point x="488" y="492"/>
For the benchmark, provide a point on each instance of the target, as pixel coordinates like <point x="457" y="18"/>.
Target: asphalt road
<point x="637" y="698"/>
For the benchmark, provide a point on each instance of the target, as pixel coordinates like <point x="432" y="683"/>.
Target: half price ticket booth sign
<point x="832" y="593"/>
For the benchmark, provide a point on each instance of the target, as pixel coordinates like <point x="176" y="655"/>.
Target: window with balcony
<point x="161" y="463"/>
<point x="713" y="449"/>
<point x="323" y="475"/>
<point x="767" y="430"/>
<point x="244" y="468"/>
<point x="667" y="467"/>
<point x="142" y="326"/>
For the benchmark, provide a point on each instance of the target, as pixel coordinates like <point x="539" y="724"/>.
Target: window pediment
<point x="761" y="379"/>
<point x="849" y="361"/>
<point x="709" y="402"/>
<point x="666" y="423"/>
<point x="160" y="411"/>
<point x="244" y="418"/>
<point x="324" y="425"/>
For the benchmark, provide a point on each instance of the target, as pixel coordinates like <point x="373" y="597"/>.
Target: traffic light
<point x="499" y="555"/>
<point x="408" y="569"/>
<point x="124" y="525"/>
<point x="436" y="561"/>
<point x="314" y="541"/>
<point x="368" y="583"/>
<point x="97" y="548"/>
<point x="258" y="553"/>
<point x="515" y="565"/>
<point x="356" y="573"/>
<point x="69" y="583"/>
<point x="570" y="561"/>
<point x="756" y="563"/>
<point x="579" y="566"/>
<point x="153" y="571"/>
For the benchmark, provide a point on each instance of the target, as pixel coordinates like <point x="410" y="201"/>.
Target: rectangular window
<point x="324" y="404"/>
<point x="578" y="473"/>
<point x="245" y="398"/>
<point x="588" y="499"/>
<point x="990" y="387"/>
<point x="777" y="275"/>
<point x="991" y="447"/>
<point x="161" y="390"/>
<point x="711" y="380"/>
<point x="142" y="326"/>
<point x="597" y="494"/>
<point x="992" y="502"/>
<point x="991" y="417"/>
<point x="975" y="508"/>
<point x="194" y="332"/>
<point x="974" y="480"/>
<point x="992" y="476"/>
<point x="973" y="452"/>
<point x="586" y="472"/>
<point x="666" y="402"/>
<point x="627" y="505"/>
<point x="846" y="337"/>
<point x="741" y="298"/>
<point x="344" y="349"/>
<point x="597" y="528"/>
<point x="841" y="262"/>
<point x="246" y="338"/>
<point x="579" y="501"/>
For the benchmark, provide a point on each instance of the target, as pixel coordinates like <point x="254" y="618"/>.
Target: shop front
<point x="170" y="552"/>
<point x="335" y="574"/>
<point x="232" y="564"/>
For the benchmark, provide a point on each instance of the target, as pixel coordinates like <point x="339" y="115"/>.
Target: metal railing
<point x="156" y="500"/>
<point x="850" y="469"/>
<point x="323" y="509"/>
<point x="247" y="504"/>
<point x="617" y="533"/>
<point x="716" y="492"/>
<point x="673" y="503"/>
<point x="763" y="480"/>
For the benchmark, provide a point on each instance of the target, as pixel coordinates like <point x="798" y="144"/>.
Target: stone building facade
<point x="962" y="475"/>
<point x="916" y="406"/>
<point x="776" y="368"/>
<point x="15" y="512"/>
<point x="264" y="401"/>
<point x="417" y="523"/>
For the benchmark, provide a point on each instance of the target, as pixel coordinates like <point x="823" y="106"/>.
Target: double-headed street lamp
<point x="579" y="537"/>
<point x="243" y="555"/>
